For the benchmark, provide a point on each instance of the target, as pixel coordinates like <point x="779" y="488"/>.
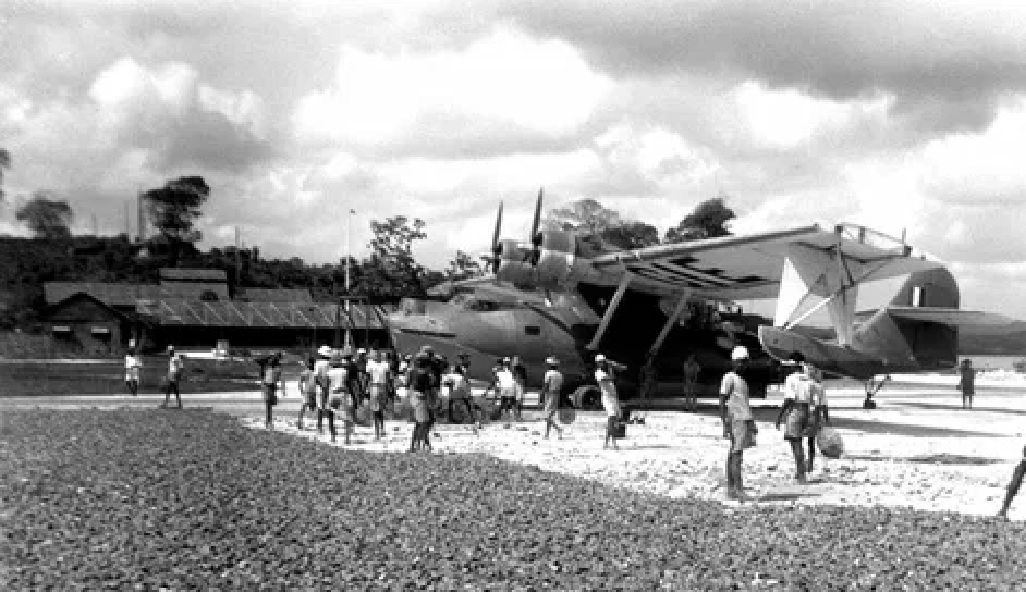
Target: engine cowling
<point x="547" y="263"/>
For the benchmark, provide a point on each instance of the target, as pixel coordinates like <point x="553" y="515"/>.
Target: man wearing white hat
<point x="320" y="375"/>
<point x="610" y="400"/>
<point x="550" y="393"/>
<point x="738" y="421"/>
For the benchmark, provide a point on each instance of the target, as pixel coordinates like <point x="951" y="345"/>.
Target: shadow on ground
<point x="932" y="459"/>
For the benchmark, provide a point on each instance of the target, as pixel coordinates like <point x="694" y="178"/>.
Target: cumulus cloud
<point x="502" y="85"/>
<point x="919" y="51"/>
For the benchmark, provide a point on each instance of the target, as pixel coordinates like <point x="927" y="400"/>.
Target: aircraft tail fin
<point x="920" y="326"/>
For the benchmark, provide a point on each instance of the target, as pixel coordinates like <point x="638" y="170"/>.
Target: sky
<point x="907" y="116"/>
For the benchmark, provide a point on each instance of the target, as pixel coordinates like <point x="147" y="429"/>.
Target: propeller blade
<point x="493" y="263"/>
<point x="498" y="228"/>
<point x="537" y="216"/>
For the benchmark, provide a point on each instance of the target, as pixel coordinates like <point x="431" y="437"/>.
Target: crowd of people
<point x="368" y="384"/>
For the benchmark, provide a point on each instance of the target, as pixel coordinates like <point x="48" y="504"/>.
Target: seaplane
<point x="568" y="294"/>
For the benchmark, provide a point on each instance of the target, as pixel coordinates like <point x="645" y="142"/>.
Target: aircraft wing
<point x="742" y="267"/>
<point x="950" y="316"/>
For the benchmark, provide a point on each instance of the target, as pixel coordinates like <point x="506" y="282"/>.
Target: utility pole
<point x="128" y="224"/>
<point x="349" y="280"/>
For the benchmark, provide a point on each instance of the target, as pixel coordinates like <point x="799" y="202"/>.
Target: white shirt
<point x="174" y="364"/>
<point x="132" y="362"/>
<point x="337" y="379"/>
<point x="736" y="390"/>
<point x="505" y="378"/>
<point x="606" y="382"/>
<point x="378" y="372"/>
<point x="457" y="384"/>
<point x="320" y="370"/>
<point x="553" y="383"/>
<point x="799" y="387"/>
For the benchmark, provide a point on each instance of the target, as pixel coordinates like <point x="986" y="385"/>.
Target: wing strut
<point x="658" y="343"/>
<point x="610" y="310"/>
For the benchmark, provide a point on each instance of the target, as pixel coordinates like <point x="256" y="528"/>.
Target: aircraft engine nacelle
<point x="555" y="257"/>
<point x="515" y="263"/>
<point x="546" y="265"/>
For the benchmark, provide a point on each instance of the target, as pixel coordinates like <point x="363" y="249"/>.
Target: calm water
<point x="992" y="362"/>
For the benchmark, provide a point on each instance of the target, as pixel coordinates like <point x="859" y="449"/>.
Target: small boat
<point x="1019" y="366"/>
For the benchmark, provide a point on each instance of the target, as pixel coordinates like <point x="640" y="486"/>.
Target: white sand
<point x="919" y="449"/>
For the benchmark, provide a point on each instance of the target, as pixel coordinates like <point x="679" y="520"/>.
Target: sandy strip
<point x="920" y="449"/>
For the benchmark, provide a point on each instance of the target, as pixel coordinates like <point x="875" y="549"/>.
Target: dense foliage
<point x="46" y="215"/>
<point x="190" y="499"/>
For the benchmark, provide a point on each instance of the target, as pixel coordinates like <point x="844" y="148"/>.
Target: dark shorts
<point x="508" y="403"/>
<point x="742" y="434"/>
<point x="797" y="422"/>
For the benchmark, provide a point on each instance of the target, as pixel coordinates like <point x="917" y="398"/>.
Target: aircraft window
<point x="481" y="305"/>
<point x="532" y="330"/>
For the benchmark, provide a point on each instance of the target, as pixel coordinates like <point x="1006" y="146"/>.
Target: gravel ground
<point x="138" y="499"/>
<point x="920" y="449"/>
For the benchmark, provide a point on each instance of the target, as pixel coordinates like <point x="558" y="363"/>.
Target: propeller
<point x="496" y="249"/>
<point x="535" y="236"/>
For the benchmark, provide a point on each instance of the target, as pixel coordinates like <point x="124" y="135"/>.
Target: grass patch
<point x="191" y="500"/>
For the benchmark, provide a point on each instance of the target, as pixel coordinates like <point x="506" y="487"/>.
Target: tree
<point x="586" y="215"/>
<point x="631" y="235"/>
<point x="46" y="215"/>
<point x="5" y="163"/>
<point x="392" y="272"/>
<point x="463" y="267"/>
<point x="709" y="219"/>
<point x="173" y="210"/>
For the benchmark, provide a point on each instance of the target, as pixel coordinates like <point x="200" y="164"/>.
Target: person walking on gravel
<point x="308" y="390"/>
<point x="1013" y="486"/>
<point x="552" y="385"/>
<point x="738" y="421"/>
<point x="324" y="411"/>
<point x="610" y="399"/>
<point x="270" y="376"/>
<point x="519" y="386"/>
<point x="797" y="411"/>
<point x="820" y="415"/>
<point x="133" y="366"/>
<point x="459" y="393"/>
<point x="506" y="386"/>
<point x="691" y="370"/>
<point x="420" y="388"/>
<point x="967" y="383"/>
<point x="379" y="376"/>
<point x="175" y="367"/>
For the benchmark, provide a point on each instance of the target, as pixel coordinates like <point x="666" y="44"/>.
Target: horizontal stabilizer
<point x="948" y="316"/>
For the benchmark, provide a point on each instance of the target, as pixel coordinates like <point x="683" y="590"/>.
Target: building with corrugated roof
<point x="192" y="308"/>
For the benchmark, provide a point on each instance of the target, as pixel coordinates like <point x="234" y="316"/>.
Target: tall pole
<point x="349" y="249"/>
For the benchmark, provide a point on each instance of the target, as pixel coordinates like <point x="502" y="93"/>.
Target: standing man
<point x="307" y="389"/>
<point x="362" y="377"/>
<point x="691" y="370"/>
<point x="379" y="374"/>
<point x="821" y="415"/>
<point x="133" y="366"/>
<point x="610" y="399"/>
<point x="519" y="385"/>
<point x="270" y="377"/>
<point x="174" y="376"/>
<point x="506" y="386"/>
<point x="967" y="383"/>
<point x="321" y="368"/>
<point x="648" y="380"/>
<point x="459" y="392"/>
<point x="550" y="393"/>
<point x="798" y="395"/>
<point x="738" y="421"/>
